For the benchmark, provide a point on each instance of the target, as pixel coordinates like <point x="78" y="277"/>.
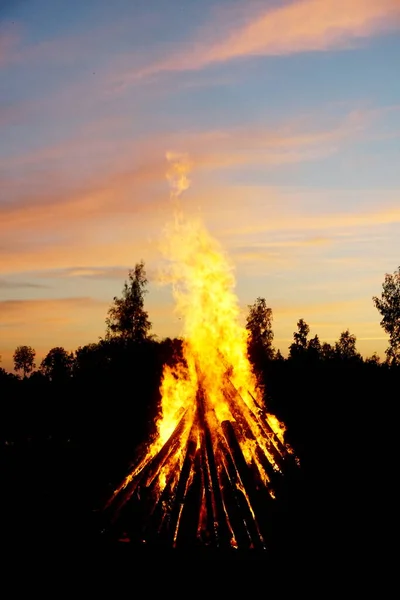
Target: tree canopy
<point x="389" y="307"/>
<point x="57" y="364"/>
<point x="24" y="359"/>
<point x="345" y="347"/>
<point x="127" y="318"/>
<point x="259" y="326"/>
<point x="299" y="346"/>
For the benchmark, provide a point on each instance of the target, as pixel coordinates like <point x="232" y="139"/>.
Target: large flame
<point x="203" y="287"/>
<point x="215" y="363"/>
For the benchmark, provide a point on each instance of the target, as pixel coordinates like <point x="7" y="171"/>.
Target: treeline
<point x="127" y="321"/>
<point x="121" y="373"/>
<point x="70" y="428"/>
<point x="119" y="376"/>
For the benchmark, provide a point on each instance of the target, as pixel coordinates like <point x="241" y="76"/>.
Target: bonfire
<point x="209" y="475"/>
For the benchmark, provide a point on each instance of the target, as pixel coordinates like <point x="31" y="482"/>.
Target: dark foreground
<point x="64" y="450"/>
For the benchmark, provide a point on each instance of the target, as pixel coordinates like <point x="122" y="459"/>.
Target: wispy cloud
<point x="309" y="25"/>
<point x="56" y="237"/>
<point x="44" y="319"/>
<point x="82" y="201"/>
<point x="302" y="26"/>
<point x="275" y="252"/>
<point x="12" y="308"/>
<point x="300" y="221"/>
<point x="15" y="285"/>
<point x="286" y="144"/>
<point x="296" y="243"/>
<point x="56" y="255"/>
<point x="128" y="167"/>
<point x="95" y="273"/>
<point x="317" y="308"/>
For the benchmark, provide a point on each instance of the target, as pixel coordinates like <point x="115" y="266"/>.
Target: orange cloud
<point x="282" y="254"/>
<point x="286" y="243"/>
<point x="59" y="255"/>
<point x="304" y="26"/>
<point x="286" y="235"/>
<point x="87" y="200"/>
<point x="26" y="312"/>
<point x="88" y="273"/>
<point x="104" y="246"/>
<point x="94" y="222"/>
<point x="318" y="308"/>
<point x="298" y="221"/>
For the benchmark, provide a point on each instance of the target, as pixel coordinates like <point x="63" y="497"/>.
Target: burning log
<point x="207" y="530"/>
<point x="190" y="516"/>
<point x="245" y="417"/>
<point x="234" y="500"/>
<point x="213" y="492"/>
<point x="245" y="483"/>
<point x="147" y="470"/>
<point x="221" y="529"/>
<point x="169" y="449"/>
<point x="182" y="488"/>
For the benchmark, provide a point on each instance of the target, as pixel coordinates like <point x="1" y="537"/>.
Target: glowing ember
<point x="209" y="473"/>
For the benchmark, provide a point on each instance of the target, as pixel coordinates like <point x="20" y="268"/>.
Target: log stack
<point x="199" y="489"/>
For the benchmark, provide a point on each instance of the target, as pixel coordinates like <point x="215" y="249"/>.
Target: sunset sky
<point x="289" y="111"/>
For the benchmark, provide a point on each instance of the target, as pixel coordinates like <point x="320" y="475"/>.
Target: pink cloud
<point x="127" y="168"/>
<point x="303" y="26"/>
<point x="309" y="25"/>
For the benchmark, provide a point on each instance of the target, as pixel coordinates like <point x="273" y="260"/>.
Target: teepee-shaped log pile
<point x="211" y="484"/>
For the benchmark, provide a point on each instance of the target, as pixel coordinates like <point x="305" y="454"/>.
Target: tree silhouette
<point x="345" y="348"/>
<point x="259" y="326"/>
<point x="299" y="346"/>
<point x="327" y="351"/>
<point x="3" y="372"/>
<point x="389" y="307"/>
<point x="57" y="364"/>
<point x="314" y="348"/>
<point x="127" y="318"/>
<point x="24" y="359"/>
<point x="373" y="360"/>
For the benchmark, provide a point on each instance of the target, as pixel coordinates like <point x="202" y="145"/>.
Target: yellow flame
<point x="203" y="282"/>
<point x="215" y="359"/>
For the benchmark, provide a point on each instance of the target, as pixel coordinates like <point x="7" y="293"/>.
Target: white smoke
<point x="179" y="167"/>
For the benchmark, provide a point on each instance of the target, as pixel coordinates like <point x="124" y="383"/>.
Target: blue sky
<point x="289" y="111"/>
